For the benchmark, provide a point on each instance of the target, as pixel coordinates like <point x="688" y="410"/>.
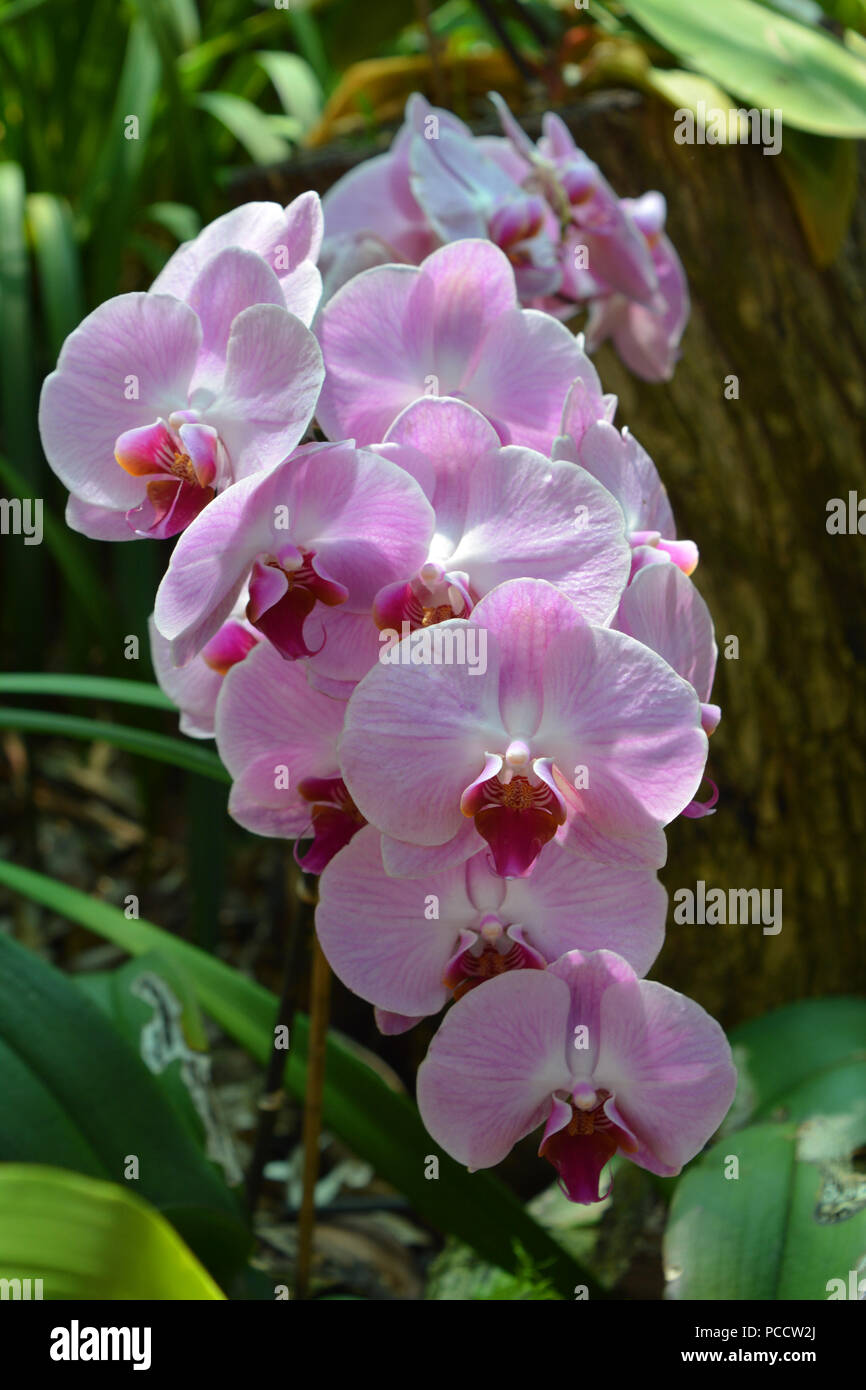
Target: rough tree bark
<point x="750" y="480"/>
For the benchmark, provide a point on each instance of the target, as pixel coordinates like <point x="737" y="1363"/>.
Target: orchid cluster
<point x="573" y="244"/>
<point x="446" y="639"/>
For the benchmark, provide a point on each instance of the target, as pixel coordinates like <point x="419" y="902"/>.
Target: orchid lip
<point x="486" y="950"/>
<point x="516" y="806"/>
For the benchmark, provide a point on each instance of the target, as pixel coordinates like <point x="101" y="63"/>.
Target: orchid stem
<point x="320" y="998"/>
<point x="273" y="1095"/>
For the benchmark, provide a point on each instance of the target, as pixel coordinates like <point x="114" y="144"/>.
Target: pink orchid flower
<point x="662" y="608"/>
<point x="327" y="528"/>
<point x="620" y="463"/>
<point x="501" y="513"/>
<point x="438" y="184"/>
<point x="374" y="205"/>
<point x="158" y="403"/>
<point x="194" y="688"/>
<point x="278" y="737"/>
<point x="646" y="336"/>
<point x="288" y="239"/>
<point x="591" y="214"/>
<point x="409" y="945"/>
<point x="464" y="192"/>
<point x="606" y="1062"/>
<point x="570" y="731"/>
<point x="450" y="327"/>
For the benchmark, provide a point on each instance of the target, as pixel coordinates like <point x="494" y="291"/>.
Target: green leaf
<point x="377" y="1124"/>
<point x="821" y="176"/>
<point x="182" y="221"/>
<point x="250" y="127"/>
<point x="801" y="1042"/>
<point x="17" y="8"/>
<point x="87" y="1239"/>
<point x="795" y="1217"/>
<point x="101" y="1085"/>
<point x="49" y="221"/>
<point x="108" y="196"/>
<point x="764" y="58"/>
<point x="17" y="383"/>
<point x="770" y="1233"/>
<point x="151" y="1002"/>
<point x="685" y="90"/>
<point x="161" y="747"/>
<point x="84" y="688"/>
<point x="296" y="85"/>
<point x="66" y="550"/>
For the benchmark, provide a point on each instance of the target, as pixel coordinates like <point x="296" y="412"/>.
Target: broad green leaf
<point x="796" y="1044"/>
<point x="250" y="127"/>
<point x="685" y="90"/>
<point x="764" y="58"/>
<point x="70" y="1050"/>
<point x="58" y="264"/>
<point x="84" y="688"/>
<point x="87" y="1239"/>
<point x="150" y="1001"/>
<point x="162" y="747"/>
<point x="296" y="85"/>
<point x="380" y="1126"/>
<point x="778" y="1230"/>
<point x="821" y="176"/>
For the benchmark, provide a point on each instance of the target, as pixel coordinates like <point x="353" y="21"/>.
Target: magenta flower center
<point x="284" y="590"/>
<point x="581" y="1148"/>
<point x="516" y="809"/>
<point x="180" y="460"/>
<point x="431" y="596"/>
<point x="493" y="952"/>
<point x="335" y="819"/>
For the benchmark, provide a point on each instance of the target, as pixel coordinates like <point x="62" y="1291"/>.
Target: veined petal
<point x="670" y="1068"/>
<point x="272" y="379"/>
<point x="493" y="1066"/>
<point x="288" y="239"/>
<point x="378" y="933"/>
<point x="617" y="710"/>
<point x="273" y="730"/>
<point x="99" y="523"/>
<point x="617" y="460"/>
<point x="128" y="363"/>
<point x="663" y="609"/>
<point x="432" y="720"/>
<point x="193" y="688"/>
<point x="523" y="379"/>
<point x="228" y="283"/>
<point x="379" y="326"/>
<point x="570" y="902"/>
<point x="210" y="565"/>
